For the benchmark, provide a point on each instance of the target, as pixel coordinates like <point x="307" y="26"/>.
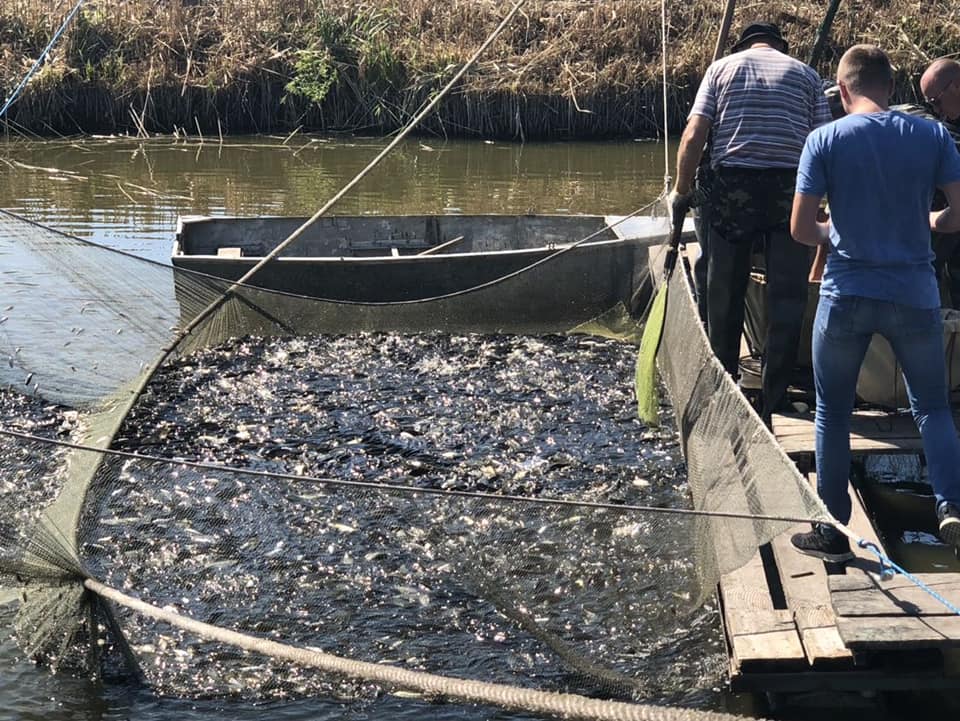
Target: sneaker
<point x="949" y="517"/>
<point x="825" y="543"/>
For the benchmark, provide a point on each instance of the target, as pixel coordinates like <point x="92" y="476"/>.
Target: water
<point x="127" y="195"/>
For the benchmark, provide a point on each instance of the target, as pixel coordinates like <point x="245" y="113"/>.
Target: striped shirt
<point x="762" y="104"/>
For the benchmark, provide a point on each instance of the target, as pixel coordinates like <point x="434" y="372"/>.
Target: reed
<point x="566" y="68"/>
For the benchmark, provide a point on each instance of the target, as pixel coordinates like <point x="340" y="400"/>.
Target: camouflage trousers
<point x="746" y="212"/>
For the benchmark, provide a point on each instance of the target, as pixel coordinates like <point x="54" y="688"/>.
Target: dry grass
<point x="563" y="68"/>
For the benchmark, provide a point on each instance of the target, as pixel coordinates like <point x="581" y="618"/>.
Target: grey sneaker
<point x="949" y="517"/>
<point x="825" y="543"/>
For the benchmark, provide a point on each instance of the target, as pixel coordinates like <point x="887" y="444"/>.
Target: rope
<point x="350" y="185"/>
<point x="565" y="705"/>
<point x="889" y="568"/>
<point x="405" y="490"/>
<point x="666" y="114"/>
<point x="26" y="78"/>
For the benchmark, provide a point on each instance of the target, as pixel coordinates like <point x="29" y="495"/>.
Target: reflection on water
<point x="127" y="194"/>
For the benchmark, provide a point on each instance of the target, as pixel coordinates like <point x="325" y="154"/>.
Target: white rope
<point x="564" y="705"/>
<point x="46" y="51"/>
<point x="666" y="114"/>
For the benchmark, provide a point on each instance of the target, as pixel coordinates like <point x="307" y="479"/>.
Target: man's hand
<point x="678" y="203"/>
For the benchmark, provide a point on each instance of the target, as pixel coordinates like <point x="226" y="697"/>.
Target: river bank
<point x="563" y="69"/>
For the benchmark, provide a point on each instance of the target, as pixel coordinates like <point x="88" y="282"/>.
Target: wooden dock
<point x="871" y="432"/>
<point x="795" y="624"/>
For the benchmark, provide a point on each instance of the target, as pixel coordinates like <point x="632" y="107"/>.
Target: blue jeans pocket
<point x="836" y="318"/>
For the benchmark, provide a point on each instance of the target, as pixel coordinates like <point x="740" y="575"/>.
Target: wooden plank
<point x="860" y="524"/>
<point x="806" y="588"/>
<point x="899" y="632"/>
<point x="760" y="636"/>
<point x="865" y="595"/>
<point x="946" y="584"/>
<point x="892" y="628"/>
<point x="804" y="581"/>
<point x="770" y="641"/>
<point x="870" y="432"/>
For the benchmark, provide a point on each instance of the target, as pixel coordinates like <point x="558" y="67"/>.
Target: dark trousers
<point x="946" y="264"/>
<point x="700" y="263"/>
<point x="751" y="210"/>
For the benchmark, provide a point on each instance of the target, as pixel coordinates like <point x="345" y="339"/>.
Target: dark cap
<point x="755" y="32"/>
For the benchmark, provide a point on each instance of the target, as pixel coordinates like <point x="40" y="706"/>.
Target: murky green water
<point x="128" y="194"/>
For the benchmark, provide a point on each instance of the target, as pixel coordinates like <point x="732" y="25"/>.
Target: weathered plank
<point x="870" y="432"/>
<point x="899" y="632"/>
<point x="760" y="636"/>
<point x="804" y="581"/>
<point x="865" y="595"/>
<point x="860" y="524"/>
<point x="806" y="588"/>
<point x="875" y="621"/>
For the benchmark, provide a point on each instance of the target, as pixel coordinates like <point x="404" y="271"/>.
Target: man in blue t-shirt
<point x="879" y="169"/>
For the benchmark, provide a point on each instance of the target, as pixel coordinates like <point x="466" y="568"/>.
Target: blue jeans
<point x="841" y="333"/>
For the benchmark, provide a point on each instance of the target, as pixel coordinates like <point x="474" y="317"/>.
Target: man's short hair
<point x="865" y="68"/>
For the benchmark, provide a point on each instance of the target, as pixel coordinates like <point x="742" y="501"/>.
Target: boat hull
<point x="553" y="287"/>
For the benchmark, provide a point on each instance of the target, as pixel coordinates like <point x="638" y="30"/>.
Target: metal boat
<point x="549" y="271"/>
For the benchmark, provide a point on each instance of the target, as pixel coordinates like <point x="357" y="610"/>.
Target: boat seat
<point x="387" y="246"/>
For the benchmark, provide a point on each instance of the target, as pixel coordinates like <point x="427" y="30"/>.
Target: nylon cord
<point x="666" y="113"/>
<point x="389" y="487"/>
<point x="39" y="60"/>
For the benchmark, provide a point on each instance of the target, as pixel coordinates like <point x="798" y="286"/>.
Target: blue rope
<point x="46" y="51"/>
<point x="888" y="569"/>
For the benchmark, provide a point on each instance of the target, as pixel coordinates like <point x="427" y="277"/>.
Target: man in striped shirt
<point x="759" y="104"/>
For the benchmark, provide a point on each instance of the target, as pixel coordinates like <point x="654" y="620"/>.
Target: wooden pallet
<point x="875" y="615"/>
<point x="760" y="636"/>
<point x="778" y="615"/>
<point x="794" y="623"/>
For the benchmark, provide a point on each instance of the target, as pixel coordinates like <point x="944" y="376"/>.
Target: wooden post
<point x="724" y="29"/>
<point x="823" y="33"/>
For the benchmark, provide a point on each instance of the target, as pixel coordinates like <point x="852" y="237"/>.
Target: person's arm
<point x="820" y="258"/>
<point x="948" y="219"/>
<point x="819" y="264"/>
<point x="692" y="142"/>
<point x="804" y="226"/>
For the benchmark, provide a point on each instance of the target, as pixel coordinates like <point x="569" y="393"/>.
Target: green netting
<point x="648" y="402"/>
<point x="734" y="464"/>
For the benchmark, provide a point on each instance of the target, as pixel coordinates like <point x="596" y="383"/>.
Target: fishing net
<point x="739" y="477"/>
<point x="315" y="475"/>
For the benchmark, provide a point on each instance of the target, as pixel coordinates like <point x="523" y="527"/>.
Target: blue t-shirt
<point x="879" y="172"/>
